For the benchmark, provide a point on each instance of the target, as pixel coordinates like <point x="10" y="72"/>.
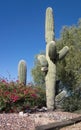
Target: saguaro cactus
<point x="22" y="72"/>
<point x="49" y="61"/>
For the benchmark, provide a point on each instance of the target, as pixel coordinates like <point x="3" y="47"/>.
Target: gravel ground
<point x="29" y="121"/>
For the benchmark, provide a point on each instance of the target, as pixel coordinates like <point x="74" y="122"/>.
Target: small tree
<point x="37" y="74"/>
<point x="69" y="70"/>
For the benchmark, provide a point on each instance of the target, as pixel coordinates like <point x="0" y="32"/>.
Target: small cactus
<point x="22" y="72"/>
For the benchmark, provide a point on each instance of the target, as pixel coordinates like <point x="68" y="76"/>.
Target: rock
<point x="21" y="113"/>
<point x="43" y="109"/>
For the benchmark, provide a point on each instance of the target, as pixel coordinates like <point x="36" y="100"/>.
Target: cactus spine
<point x="51" y="58"/>
<point x="22" y="72"/>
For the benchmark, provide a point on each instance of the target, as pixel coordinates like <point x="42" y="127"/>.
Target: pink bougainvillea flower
<point x="14" y="97"/>
<point x="6" y="93"/>
<point x="25" y="92"/>
<point x="14" y="90"/>
<point x="33" y="95"/>
<point x="4" y="81"/>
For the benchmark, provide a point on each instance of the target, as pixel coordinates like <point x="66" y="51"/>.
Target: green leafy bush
<point x="15" y="97"/>
<point x="73" y="102"/>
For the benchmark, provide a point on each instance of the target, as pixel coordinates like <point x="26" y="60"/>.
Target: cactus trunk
<point x="50" y="80"/>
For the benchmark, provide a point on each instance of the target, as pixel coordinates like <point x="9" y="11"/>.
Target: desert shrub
<point x="15" y="97"/>
<point x="73" y="102"/>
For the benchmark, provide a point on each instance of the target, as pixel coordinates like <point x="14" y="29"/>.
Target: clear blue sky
<point x="22" y="30"/>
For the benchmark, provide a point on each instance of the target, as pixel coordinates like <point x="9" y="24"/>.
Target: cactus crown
<point x="49" y="25"/>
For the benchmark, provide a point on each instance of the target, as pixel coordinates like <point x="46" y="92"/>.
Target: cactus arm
<point x="44" y="69"/>
<point x="44" y="64"/>
<point x="62" y="53"/>
<point x="61" y="96"/>
<point x="52" y="52"/>
<point x="42" y="60"/>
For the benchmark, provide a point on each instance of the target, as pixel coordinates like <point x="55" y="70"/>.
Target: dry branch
<point x="58" y="125"/>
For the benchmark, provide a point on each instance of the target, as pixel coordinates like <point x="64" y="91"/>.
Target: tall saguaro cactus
<point x="22" y="72"/>
<point x="48" y="62"/>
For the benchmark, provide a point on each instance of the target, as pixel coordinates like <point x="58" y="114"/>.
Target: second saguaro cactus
<point x="48" y="62"/>
<point x="22" y="72"/>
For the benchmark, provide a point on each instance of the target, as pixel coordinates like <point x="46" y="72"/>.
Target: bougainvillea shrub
<point x="15" y="97"/>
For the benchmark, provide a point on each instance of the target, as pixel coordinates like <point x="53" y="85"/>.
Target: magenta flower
<point x="33" y="95"/>
<point x="14" y="97"/>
